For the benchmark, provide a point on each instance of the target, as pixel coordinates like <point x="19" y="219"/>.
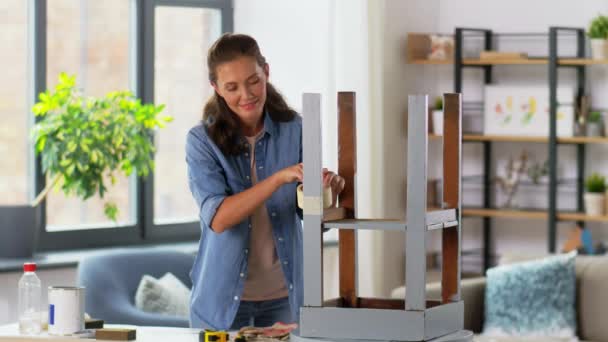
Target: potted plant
<point x="595" y="188"/>
<point x="83" y="142"/>
<point x="595" y="127"/>
<point x="437" y="115"/>
<point x="598" y="34"/>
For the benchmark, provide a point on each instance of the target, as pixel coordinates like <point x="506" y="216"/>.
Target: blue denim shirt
<point x="220" y="267"/>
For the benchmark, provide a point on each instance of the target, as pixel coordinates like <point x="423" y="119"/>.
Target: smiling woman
<point x="244" y="162"/>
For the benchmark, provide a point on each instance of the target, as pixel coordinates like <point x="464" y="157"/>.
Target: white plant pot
<point x="438" y="122"/>
<point x="599" y="48"/>
<point x="594" y="203"/>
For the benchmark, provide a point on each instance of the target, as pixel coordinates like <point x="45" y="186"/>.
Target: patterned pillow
<point x="531" y="299"/>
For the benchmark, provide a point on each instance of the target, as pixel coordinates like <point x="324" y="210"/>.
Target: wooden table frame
<point x="353" y="317"/>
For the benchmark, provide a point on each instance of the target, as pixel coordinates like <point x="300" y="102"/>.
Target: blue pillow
<point x="534" y="298"/>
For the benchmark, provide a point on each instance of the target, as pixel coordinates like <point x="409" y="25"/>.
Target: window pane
<point x="90" y="39"/>
<point x="182" y="37"/>
<point x="16" y="162"/>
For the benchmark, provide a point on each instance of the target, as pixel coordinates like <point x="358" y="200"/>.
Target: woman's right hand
<point x="294" y="173"/>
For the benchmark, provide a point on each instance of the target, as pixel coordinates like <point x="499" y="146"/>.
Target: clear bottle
<point x="30" y="292"/>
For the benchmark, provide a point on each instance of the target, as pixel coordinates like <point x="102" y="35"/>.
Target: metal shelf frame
<point x="554" y="62"/>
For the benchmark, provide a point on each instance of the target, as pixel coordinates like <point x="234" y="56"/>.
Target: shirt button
<point x="291" y="286"/>
<point x="236" y="297"/>
<point x="247" y="177"/>
<point x="246" y="251"/>
<point x="250" y="226"/>
<point x="273" y="214"/>
<point x="281" y="239"/>
<point x="260" y="143"/>
<point x="260" y="167"/>
<point x="285" y="262"/>
<point x="246" y="154"/>
<point x="242" y="275"/>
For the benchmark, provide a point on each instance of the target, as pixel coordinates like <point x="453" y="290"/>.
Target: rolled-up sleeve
<point x="206" y="178"/>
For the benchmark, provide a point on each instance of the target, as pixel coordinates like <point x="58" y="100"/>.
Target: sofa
<point x="111" y="280"/>
<point x="591" y="301"/>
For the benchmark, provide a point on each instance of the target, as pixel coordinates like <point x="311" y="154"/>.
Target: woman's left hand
<point x="336" y="182"/>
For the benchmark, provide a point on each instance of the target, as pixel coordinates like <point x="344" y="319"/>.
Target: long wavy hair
<point x="223" y="125"/>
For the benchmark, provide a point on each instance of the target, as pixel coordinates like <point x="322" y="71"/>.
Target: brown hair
<point x="223" y="125"/>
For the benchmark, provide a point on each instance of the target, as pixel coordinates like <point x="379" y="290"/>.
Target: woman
<point x="244" y="161"/>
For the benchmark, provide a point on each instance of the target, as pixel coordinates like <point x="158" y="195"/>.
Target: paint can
<point x="66" y="310"/>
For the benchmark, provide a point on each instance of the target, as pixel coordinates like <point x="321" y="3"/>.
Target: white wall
<point x="322" y="46"/>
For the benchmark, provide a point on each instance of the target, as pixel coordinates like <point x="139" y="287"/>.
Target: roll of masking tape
<point x="326" y="196"/>
<point x="66" y="310"/>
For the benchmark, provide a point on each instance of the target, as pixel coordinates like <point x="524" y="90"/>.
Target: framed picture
<point x="524" y="110"/>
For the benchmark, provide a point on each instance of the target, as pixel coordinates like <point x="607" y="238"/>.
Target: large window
<point x="90" y="39"/>
<point x="15" y="166"/>
<point x="182" y="38"/>
<point x="155" y="48"/>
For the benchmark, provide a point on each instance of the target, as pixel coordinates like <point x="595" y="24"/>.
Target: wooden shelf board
<point x="508" y="213"/>
<point x="508" y="138"/>
<point x="580" y="217"/>
<point x="582" y="61"/>
<point x="531" y="214"/>
<point x="505" y="61"/>
<point x="583" y="140"/>
<point x="431" y="61"/>
<point x="532" y="61"/>
<point x="511" y="138"/>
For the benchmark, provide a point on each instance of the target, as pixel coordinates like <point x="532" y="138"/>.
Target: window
<point x="182" y="37"/>
<point x="90" y="39"/>
<point x="16" y="179"/>
<point x="109" y="45"/>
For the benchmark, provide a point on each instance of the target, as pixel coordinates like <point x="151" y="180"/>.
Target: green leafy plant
<point x="595" y="183"/>
<point x="82" y="140"/>
<point x="595" y="116"/>
<point x="438" y="103"/>
<point x="598" y="29"/>
<point x="537" y="170"/>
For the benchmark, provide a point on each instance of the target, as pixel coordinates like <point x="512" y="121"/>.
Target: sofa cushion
<point x="592" y="299"/>
<point x="534" y="298"/>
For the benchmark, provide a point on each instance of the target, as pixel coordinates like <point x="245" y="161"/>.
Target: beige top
<point x="265" y="280"/>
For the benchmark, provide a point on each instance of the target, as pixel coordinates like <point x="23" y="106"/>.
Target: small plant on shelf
<point x="538" y="170"/>
<point x="595" y="116"/>
<point x="598" y="33"/>
<point x="438" y="103"/>
<point x="595" y="126"/>
<point x="598" y="28"/>
<point x="595" y="187"/>
<point x="595" y="183"/>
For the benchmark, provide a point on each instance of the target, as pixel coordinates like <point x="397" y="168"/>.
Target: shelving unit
<point x="553" y="62"/>
<point x="579" y="63"/>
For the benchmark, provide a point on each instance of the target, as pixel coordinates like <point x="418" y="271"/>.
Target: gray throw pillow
<point x="167" y="295"/>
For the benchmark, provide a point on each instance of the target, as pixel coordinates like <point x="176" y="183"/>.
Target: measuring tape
<point x="209" y="335"/>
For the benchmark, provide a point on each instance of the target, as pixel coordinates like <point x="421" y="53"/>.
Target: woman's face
<point x="242" y="84"/>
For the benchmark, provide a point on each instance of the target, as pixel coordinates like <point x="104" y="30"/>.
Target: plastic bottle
<point x="30" y="292"/>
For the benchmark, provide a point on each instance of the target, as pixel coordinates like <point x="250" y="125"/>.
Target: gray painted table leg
<point x="460" y="336"/>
